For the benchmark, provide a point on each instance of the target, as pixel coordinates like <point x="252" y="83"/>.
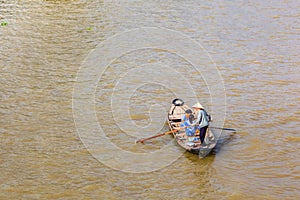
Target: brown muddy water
<point x="254" y="53"/>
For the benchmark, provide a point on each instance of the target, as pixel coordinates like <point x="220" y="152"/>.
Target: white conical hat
<point x="198" y="105"/>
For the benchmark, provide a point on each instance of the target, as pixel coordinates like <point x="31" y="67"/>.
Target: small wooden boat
<point x="190" y="143"/>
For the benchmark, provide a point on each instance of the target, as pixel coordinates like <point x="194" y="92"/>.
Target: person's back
<point x="202" y="119"/>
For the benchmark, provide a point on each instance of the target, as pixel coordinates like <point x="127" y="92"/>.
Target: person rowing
<point x="201" y="121"/>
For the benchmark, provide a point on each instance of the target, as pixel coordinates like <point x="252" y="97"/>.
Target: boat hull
<point x="190" y="143"/>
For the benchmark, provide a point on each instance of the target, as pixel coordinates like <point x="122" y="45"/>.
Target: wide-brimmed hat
<point x="198" y="105"/>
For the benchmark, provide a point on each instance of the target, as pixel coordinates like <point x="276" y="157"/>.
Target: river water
<point x="44" y="44"/>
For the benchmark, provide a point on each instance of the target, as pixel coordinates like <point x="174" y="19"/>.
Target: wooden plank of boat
<point x="191" y="144"/>
<point x="206" y="148"/>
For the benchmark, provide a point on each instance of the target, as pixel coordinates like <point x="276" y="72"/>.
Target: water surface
<point x="255" y="46"/>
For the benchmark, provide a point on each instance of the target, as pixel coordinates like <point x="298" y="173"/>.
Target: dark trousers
<point x="203" y="133"/>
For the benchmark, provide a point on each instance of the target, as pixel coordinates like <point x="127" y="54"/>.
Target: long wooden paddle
<point x="155" y="136"/>
<point x="226" y="129"/>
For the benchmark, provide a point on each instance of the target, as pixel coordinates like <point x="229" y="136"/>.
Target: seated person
<point x="187" y="122"/>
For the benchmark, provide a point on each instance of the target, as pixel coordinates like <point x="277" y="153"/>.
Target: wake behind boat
<point x="190" y="143"/>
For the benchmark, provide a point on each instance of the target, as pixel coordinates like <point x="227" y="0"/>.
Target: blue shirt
<point x="189" y="129"/>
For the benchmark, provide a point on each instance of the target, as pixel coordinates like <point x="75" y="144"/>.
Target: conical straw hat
<point x="198" y="105"/>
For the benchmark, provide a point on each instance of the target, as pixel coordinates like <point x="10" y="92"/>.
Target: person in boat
<point x="187" y="123"/>
<point x="201" y="121"/>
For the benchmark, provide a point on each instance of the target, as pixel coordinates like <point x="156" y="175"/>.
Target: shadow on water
<point x="194" y="158"/>
<point x="225" y="137"/>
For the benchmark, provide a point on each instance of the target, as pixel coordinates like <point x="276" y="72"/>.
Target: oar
<point x="155" y="136"/>
<point x="226" y="129"/>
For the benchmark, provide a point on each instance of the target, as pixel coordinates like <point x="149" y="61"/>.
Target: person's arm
<point x="182" y="124"/>
<point x="196" y="121"/>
